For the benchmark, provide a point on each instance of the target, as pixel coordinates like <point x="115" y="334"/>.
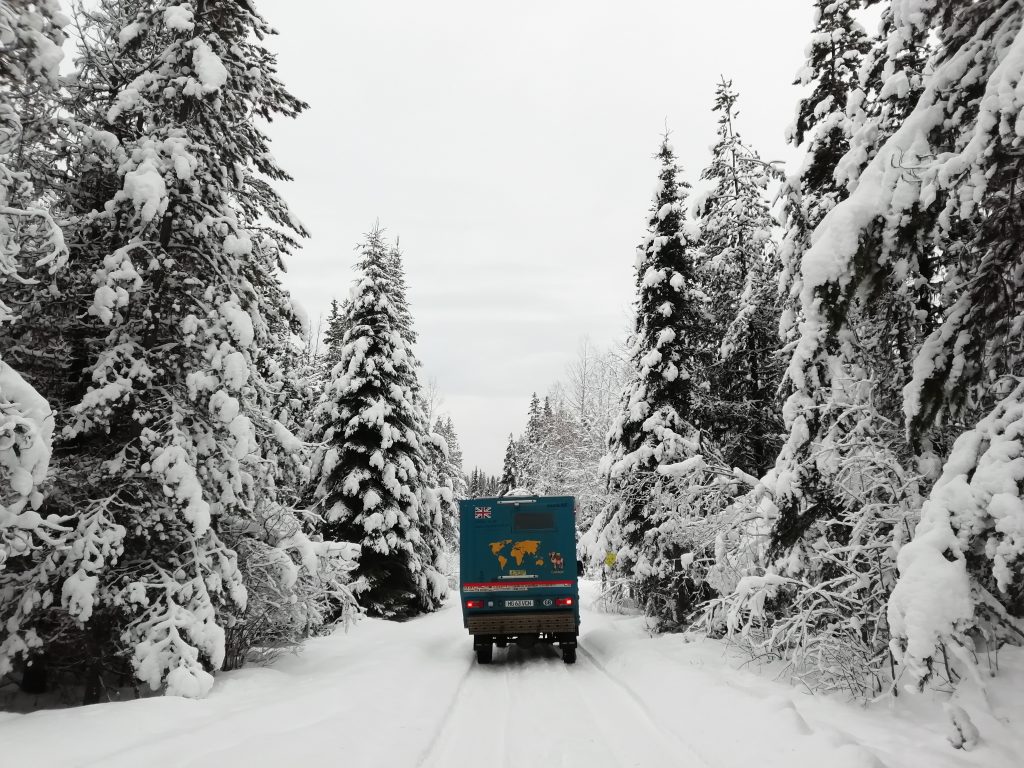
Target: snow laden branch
<point x="975" y="509"/>
<point x="26" y="438"/>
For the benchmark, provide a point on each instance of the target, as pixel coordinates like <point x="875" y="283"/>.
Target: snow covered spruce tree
<point x="654" y="432"/>
<point x="370" y="480"/>
<point x="529" y="446"/>
<point x="936" y="198"/>
<point x="439" y="498"/>
<point x="446" y="428"/>
<point x="739" y="269"/>
<point x="510" y="472"/>
<point x="539" y="461"/>
<point x="30" y="39"/>
<point x="176" y="464"/>
<point x="450" y="473"/>
<point x="834" y="56"/>
<point x="971" y="365"/>
<point x="473" y="483"/>
<point x="840" y="490"/>
<point x="438" y="482"/>
<point x="334" y="334"/>
<point x="890" y="323"/>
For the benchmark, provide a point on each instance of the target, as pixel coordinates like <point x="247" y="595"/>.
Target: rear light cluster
<point x="561" y="602"/>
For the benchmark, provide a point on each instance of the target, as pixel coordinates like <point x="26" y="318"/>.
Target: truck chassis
<point x="525" y="629"/>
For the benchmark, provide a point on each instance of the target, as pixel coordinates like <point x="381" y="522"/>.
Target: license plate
<point x="519" y="603"/>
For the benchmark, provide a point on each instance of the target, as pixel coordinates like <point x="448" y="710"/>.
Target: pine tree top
<point x="833" y="59"/>
<point x="654" y="423"/>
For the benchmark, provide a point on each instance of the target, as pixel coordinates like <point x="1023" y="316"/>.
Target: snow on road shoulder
<point x="735" y="714"/>
<point x="373" y="696"/>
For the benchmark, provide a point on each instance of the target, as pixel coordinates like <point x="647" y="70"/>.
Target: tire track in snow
<point x="596" y="714"/>
<point x="506" y="700"/>
<point x="484" y="692"/>
<point x="568" y="715"/>
<point x="696" y="758"/>
<point x="444" y="724"/>
<point x="544" y="710"/>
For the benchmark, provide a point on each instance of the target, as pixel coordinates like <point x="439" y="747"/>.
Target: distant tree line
<point x="560" y="449"/>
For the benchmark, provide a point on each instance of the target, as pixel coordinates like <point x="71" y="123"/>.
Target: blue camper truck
<point x="519" y="578"/>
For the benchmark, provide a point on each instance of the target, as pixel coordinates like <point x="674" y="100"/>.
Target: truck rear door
<point x="519" y="553"/>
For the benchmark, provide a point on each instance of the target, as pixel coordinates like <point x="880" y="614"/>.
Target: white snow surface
<point x="411" y="694"/>
<point x="179" y="17"/>
<point x="209" y="68"/>
<point x="145" y="186"/>
<point x="128" y="33"/>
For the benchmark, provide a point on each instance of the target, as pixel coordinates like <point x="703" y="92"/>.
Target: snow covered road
<point x="530" y="703"/>
<point x="411" y="695"/>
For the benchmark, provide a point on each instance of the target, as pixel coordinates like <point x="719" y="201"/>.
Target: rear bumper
<point x="522" y="623"/>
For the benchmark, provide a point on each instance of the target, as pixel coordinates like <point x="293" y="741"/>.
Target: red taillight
<point x="560" y="601"/>
<point x="474" y="603"/>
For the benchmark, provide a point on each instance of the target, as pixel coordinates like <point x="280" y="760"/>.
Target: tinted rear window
<point x="533" y="521"/>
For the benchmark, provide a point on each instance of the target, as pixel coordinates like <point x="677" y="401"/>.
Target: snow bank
<point x="26" y="439"/>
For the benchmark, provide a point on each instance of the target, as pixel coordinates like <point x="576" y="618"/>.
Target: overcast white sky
<point x="510" y="146"/>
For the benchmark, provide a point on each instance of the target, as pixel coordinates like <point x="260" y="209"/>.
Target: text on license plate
<point x="519" y="603"/>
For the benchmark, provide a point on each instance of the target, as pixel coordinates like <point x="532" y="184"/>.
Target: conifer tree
<point x="877" y="98"/>
<point x="491" y="487"/>
<point x="559" y="435"/>
<point x="510" y="470"/>
<point x="936" y="197"/>
<point x="839" y="488"/>
<point x="739" y="272"/>
<point x="370" y="479"/>
<point x="834" y="56"/>
<point x="30" y="54"/>
<point x="808" y="489"/>
<point x="396" y="271"/>
<point x="334" y="334"/>
<point x="446" y="428"/>
<point x="438" y="481"/>
<point x="175" y="456"/>
<point x="529" y="447"/>
<point x="655" y="426"/>
<point x="451" y="474"/>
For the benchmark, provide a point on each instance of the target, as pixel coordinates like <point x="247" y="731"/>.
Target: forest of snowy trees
<point x="819" y="449"/>
<point x="181" y="486"/>
<point x="811" y="444"/>
<point x="564" y="437"/>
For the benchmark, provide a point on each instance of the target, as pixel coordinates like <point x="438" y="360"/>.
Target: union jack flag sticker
<point x="482" y="513"/>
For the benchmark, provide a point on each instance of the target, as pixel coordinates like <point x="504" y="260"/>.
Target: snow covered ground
<point x="410" y="694"/>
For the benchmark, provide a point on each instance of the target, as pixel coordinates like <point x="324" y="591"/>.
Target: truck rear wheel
<point x="569" y="654"/>
<point x="483" y="652"/>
